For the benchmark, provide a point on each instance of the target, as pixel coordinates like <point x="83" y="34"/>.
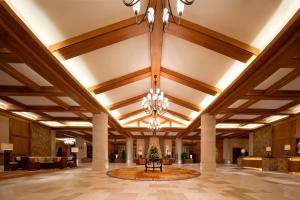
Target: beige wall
<point x="4" y="129"/>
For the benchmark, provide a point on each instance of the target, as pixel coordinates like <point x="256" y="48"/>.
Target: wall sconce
<point x="268" y="150"/>
<point x="287" y="149"/>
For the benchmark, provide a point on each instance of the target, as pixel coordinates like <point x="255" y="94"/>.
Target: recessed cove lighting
<point x="52" y="123"/>
<point x="274" y="118"/>
<point x="28" y="115"/>
<point x="252" y="126"/>
<point x="227" y="125"/>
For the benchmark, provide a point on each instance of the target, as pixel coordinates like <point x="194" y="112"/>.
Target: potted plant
<point x="123" y="156"/>
<point x="184" y="156"/>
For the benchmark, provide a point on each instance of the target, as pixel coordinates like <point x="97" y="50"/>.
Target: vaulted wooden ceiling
<point x="74" y="65"/>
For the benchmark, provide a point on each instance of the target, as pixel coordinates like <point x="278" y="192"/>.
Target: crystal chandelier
<point x="155" y="102"/>
<point x="69" y="141"/>
<point x="150" y="11"/>
<point x="154" y="124"/>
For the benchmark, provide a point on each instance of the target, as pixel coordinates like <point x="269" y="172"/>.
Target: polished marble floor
<point x="85" y="184"/>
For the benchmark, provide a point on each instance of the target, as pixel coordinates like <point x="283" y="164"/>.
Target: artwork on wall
<point x="298" y="146"/>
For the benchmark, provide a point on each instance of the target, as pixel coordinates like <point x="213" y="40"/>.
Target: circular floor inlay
<point x="139" y="173"/>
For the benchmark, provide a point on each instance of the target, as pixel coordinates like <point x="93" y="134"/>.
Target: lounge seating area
<point x="35" y="163"/>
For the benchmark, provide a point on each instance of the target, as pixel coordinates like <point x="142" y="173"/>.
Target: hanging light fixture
<point x="155" y="102"/>
<point x="150" y="11"/>
<point x="154" y="124"/>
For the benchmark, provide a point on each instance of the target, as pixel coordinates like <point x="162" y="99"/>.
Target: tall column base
<point x="208" y="143"/>
<point x="100" y="142"/>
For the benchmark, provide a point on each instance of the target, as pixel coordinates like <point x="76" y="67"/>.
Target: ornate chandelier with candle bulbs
<point x="150" y="11"/>
<point x="155" y="102"/>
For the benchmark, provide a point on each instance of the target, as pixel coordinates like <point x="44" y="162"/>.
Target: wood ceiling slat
<point x="187" y="81"/>
<point x="25" y="91"/>
<point x="183" y="103"/>
<point x="213" y="40"/>
<point x="126" y="102"/>
<point x="98" y="38"/>
<point x="156" y="40"/>
<point x="121" y="81"/>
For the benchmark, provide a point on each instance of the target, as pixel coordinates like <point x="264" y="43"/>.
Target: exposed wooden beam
<point x="130" y="114"/>
<point x="121" y="81"/>
<point x="289" y="105"/>
<point x="59" y="102"/>
<point x="213" y="40"/>
<point x="9" y="58"/>
<point x="182" y="116"/>
<point x="282" y="48"/>
<point x="189" y="82"/>
<point x="173" y="120"/>
<point x="19" y="39"/>
<point x="156" y="40"/>
<point x="19" y="76"/>
<point x="50" y="109"/>
<point x="82" y="116"/>
<point x="283" y="81"/>
<point x="138" y="119"/>
<point x="98" y="38"/>
<point x="126" y="102"/>
<point x="251" y="111"/>
<point x="278" y="95"/>
<point x="25" y="91"/>
<point x="183" y="103"/>
<point x="14" y="102"/>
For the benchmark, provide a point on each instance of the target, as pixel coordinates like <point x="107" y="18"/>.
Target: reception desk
<point x="294" y="164"/>
<point x="250" y="162"/>
<point x="284" y="164"/>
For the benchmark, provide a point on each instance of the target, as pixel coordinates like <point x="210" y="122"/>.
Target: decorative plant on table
<point x="154" y="152"/>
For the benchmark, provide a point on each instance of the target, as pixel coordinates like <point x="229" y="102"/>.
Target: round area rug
<point x="167" y="174"/>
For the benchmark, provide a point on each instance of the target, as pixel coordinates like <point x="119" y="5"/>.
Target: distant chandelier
<point x="155" y="102"/>
<point x="154" y="124"/>
<point x="150" y="11"/>
<point x="69" y="141"/>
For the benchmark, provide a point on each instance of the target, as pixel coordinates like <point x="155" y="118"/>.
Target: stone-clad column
<point x="179" y="149"/>
<point x="129" y="150"/>
<point x="251" y="143"/>
<point x="100" y="142"/>
<point x="208" y="143"/>
<point x="53" y="143"/>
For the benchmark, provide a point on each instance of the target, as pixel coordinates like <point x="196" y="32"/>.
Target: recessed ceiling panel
<point x="69" y="101"/>
<point x="238" y="103"/>
<point x="8" y="80"/>
<point x="280" y="73"/>
<point x="293" y="85"/>
<point x="29" y="73"/>
<point x="34" y="101"/>
<point x="244" y="116"/>
<point x="61" y="114"/>
<point x="270" y="104"/>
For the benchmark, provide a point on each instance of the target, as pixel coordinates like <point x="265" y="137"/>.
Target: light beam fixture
<point x="150" y="11"/>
